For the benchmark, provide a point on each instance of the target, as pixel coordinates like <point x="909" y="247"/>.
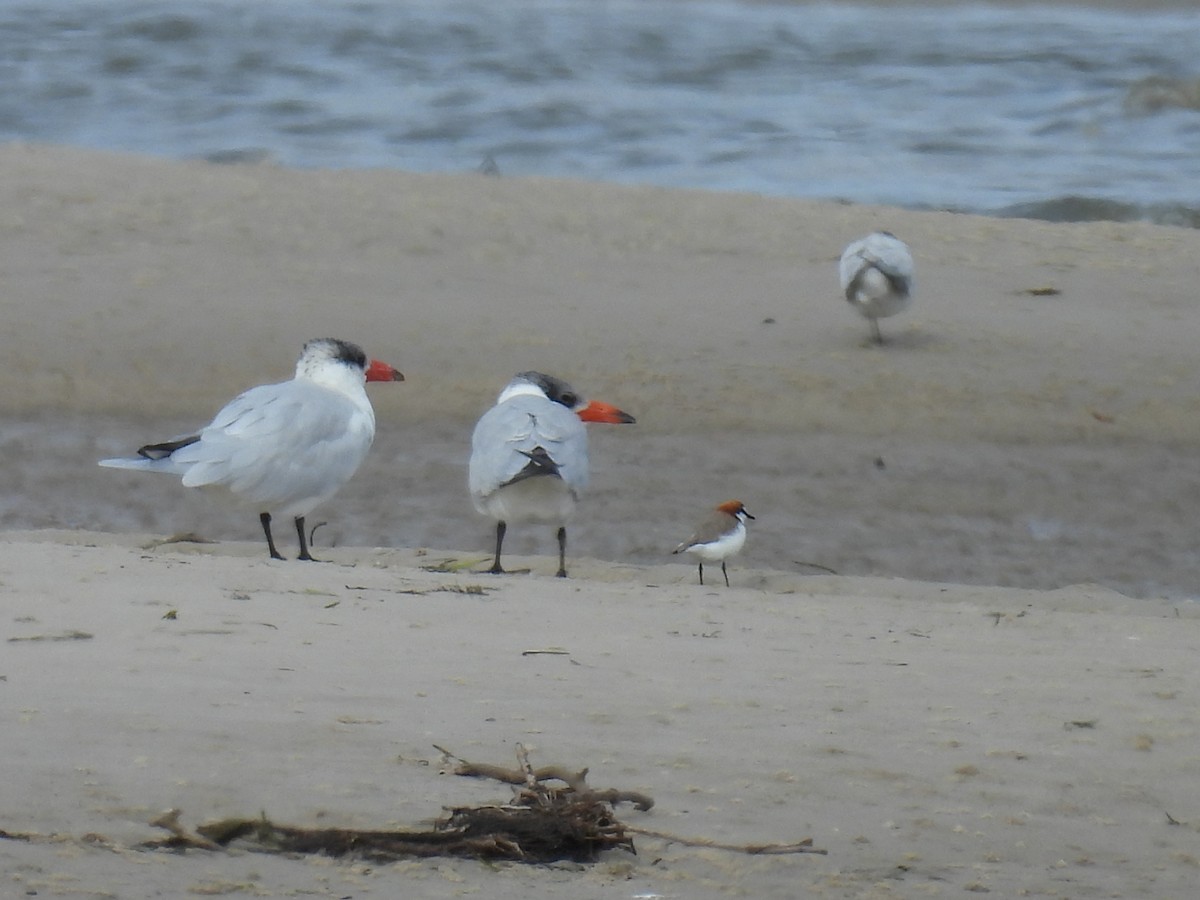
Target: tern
<point x="877" y="277"/>
<point x="284" y="448"/>
<point x="721" y="535"/>
<point x="529" y="458"/>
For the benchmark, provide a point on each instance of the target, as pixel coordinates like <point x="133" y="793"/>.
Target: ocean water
<point x="1061" y="112"/>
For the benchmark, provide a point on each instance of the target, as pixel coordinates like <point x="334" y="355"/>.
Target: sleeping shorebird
<point x="284" y="448"/>
<point x="529" y="459"/>
<point x="877" y="277"/>
<point x="721" y="535"/>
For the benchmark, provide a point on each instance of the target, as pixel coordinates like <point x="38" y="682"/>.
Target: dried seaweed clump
<point x="553" y="815"/>
<point x="542" y="823"/>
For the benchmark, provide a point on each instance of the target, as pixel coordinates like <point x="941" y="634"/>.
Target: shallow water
<point x="1043" y="111"/>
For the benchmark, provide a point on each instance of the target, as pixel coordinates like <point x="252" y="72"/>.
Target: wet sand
<point x="1001" y="437"/>
<point x="1006" y="491"/>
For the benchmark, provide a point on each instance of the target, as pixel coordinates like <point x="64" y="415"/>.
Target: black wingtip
<point x="166" y="448"/>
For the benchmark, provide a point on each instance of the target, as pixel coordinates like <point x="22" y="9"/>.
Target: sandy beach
<point x="995" y="691"/>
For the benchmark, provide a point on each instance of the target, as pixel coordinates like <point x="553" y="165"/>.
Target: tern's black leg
<point x="265" y="518"/>
<point x="876" y="334"/>
<point x="496" y="569"/>
<point x="702" y="572"/>
<point x="562" y="551"/>
<point x="723" y="572"/>
<point x="304" y="554"/>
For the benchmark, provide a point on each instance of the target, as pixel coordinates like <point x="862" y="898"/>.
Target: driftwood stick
<point x="575" y="781"/>
<point x="529" y="779"/>
<point x="804" y="846"/>
<point x="639" y="800"/>
<point x="180" y="836"/>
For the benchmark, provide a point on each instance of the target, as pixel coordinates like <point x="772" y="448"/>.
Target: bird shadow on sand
<point x="902" y="340"/>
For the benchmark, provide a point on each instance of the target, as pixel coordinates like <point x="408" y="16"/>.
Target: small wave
<point x="168" y="28"/>
<point x="1074" y="208"/>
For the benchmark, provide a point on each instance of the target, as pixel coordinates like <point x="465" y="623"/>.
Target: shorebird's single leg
<point x="496" y="569"/>
<point x="562" y="551"/>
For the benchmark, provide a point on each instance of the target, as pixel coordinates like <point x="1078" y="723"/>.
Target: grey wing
<point x="281" y="443"/>
<point x="707" y="530"/>
<point x="880" y="250"/>
<point x="851" y="263"/>
<point x="691" y="541"/>
<point x="891" y="256"/>
<point x="506" y="432"/>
